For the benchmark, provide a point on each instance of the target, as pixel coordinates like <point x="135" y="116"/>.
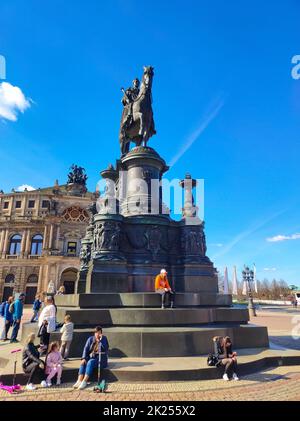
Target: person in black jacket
<point x="32" y="364"/>
<point x="223" y="350"/>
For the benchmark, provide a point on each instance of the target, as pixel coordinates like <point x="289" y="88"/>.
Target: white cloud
<point x="280" y="237"/>
<point x="25" y="186"/>
<point x="270" y="269"/>
<point x="12" y="101"/>
<point x="216" y="244"/>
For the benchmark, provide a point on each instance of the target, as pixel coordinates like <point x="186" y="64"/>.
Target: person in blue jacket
<point x="36" y="308"/>
<point x="17" y="316"/>
<point x="90" y="357"/>
<point x="8" y="317"/>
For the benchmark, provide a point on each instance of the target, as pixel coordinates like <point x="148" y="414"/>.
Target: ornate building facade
<point x="40" y="233"/>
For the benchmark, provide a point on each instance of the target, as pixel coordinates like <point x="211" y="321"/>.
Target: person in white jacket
<point x="66" y="337"/>
<point x="47" y="322"/>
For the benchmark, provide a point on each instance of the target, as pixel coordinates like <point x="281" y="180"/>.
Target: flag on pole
<point x="234" y="282"/>
<point x="255" y="280"/>
<point x="226" y="286"/>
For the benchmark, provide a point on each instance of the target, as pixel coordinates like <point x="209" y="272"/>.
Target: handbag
<point x="42" y="330"/>
<point x="213" y="360"/>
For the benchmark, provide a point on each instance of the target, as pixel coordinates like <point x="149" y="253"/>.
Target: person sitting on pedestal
<point x="163" y="288"/>
<point x="228" y="358"/>
<point x="90" y="358"/>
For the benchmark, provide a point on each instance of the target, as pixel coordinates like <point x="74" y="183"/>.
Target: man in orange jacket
<point x="163" y="288"/>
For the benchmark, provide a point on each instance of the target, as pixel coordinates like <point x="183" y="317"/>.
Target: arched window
<point x="15" y="244"/>
<point x="36" y="245"/>
<point x="32" y="279"/>
<point x="9" y="279"/>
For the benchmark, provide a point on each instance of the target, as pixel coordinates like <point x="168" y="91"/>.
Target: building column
<point x="40" y="286"/>
<point x="23" y="243"/>
<point x="1" y="240"/>
<point x="57" y="238"/>
<point x="45" y="239"/>
<point x="23" y="280"/>
<point x="51" y="237"/>
<point x="27" y="244"/>
<point x="5" y="245"/>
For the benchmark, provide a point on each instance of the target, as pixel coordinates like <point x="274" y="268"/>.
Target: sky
<point x="225" y="103"/>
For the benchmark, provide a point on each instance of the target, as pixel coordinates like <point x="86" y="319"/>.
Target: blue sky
<point x="222" y="79"/>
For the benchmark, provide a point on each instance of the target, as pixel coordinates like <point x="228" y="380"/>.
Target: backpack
<point x="2" y="309"/>
<point x="11" y="308"/>
<point x="213" y="360"/>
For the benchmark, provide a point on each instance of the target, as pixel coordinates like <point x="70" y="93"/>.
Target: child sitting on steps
<point x="53" y="364"/>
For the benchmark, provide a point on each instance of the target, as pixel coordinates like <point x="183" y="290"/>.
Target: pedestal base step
<point x="152" y="317"/>
<point x="129" y="370"/>
<point x="151" y="342"/>
<point x="141" y="299"/>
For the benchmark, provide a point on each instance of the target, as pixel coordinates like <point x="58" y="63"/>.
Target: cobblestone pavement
<point x="279" y="384"/>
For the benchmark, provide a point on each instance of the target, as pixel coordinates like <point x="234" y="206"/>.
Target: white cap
<point x="163" y="271"/>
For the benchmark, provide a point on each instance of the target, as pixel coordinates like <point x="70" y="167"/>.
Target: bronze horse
<point x="137" y="124"/>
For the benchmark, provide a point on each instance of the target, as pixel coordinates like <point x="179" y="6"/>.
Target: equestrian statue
<point x="137" y="123"/>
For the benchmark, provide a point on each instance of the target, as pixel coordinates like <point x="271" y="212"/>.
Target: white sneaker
<point x="77" y="384"/>
<point x="225" y="377"/>
<point x="44" y="383"/>
<point x="58" y="382"/>
<point x="49" y="383"/>
<point x="83" y="385"/>
<point x="30" y="386"/>
<point x="235" y="377"/>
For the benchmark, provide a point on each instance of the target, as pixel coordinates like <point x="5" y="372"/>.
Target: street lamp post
<point x="248" y="277"/>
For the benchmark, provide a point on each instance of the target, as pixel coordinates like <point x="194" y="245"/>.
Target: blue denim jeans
<point x="16" y="327"/>
<point x="89" y="367"/>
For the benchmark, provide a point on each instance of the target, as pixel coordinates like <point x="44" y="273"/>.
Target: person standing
<point x="8" y="318"/>
<point x="47" y="322"/>
<point x="163" y="288"/>
<point x="17" y="316"/>
<point x="36" y="308"/>
<point x="66" y="337"/>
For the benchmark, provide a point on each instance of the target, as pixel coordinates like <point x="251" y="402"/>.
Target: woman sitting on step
<point x="32" y="363"/>
<point x="90" y="358"/>
<point x="223" y="350"/>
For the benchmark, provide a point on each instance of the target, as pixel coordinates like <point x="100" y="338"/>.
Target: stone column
<point x="51" y="237"/>
<point x="45" y="239"/>
<point x="1" y="240"/>
<point x="27" y="244"/>
<point x="23" y="243"/>
<point x="23" y="280"/>
<point x="57" y="237"/>
<point x="40" y="286"/>
<point x="5" y="245"/>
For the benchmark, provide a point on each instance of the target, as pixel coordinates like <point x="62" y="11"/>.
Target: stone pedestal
<point x="128" y="241"/>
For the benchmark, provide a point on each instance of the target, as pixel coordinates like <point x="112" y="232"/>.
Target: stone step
<point x="140" y="299"/>
<point x="148" y="342"/>
<point x="167" y="369"/>
<point x="152" y="316"/>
